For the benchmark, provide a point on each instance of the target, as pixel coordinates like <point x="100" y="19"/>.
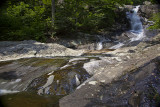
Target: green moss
<point x="42" y="62"/>
<point x="22" y="60"/>
<point x="64" y="76"/>
<point x="153" y="95"/>
<point x="157" y="98"/>
<point x="25" y="99"/>
<point x="3" y="63"/>
<point x="63" y="92"/>
<point x="38" y="62"/>
<point x="27" y="61"/>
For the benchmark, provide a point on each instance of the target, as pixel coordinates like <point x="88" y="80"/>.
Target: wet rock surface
<point x="147" y="11"/>
<point x="26" y="99"/>
<point x="40" y="81"/>
<point x="86" y="41"/>
<point x="130" y="78"/>
<point x="62" y="81"/>
<point x="133" y="89"/>
<point x="81" y="39"/>
<point x="17" y="75"/>
<point x="25" y="49"/>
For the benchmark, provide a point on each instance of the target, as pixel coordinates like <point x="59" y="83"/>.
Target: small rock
<point x="147" y="3"/>
<point x="131" y="51"/>
<point x="93" y="82"/>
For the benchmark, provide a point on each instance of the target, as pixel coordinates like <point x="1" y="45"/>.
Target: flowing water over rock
<point x="136" y="24"/>
<point x="16" y="75"/>
<point x="136" y="29"/>
<point x="57" y="76"/>
<point x="131" y="78"/>
<point x="102" y="39"/>
<point x="62" y="81"/>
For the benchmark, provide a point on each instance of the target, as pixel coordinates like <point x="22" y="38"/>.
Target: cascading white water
<point x="100" y="43"/>
<point x="136" y="30"/>
<point x="136" y="27"/>
<point x="136" y="24"/>
<point x="117" y="46"/>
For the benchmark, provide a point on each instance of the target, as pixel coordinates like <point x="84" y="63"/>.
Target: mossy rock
<point x="38" y="62"/>
<point x="64" y="81"/>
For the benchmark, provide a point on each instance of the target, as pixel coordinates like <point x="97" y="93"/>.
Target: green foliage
<point x="31" y="19"/>
<point x="86" y="16"/>
<point x="153" y="95"/>
<point x="140" y="2"/>
<point x="156" y="19"/>
<point x="21" y="22"/>
<point x="46" y="2"/>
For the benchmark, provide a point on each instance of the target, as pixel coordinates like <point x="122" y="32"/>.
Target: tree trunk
<point x="53" y="11"/>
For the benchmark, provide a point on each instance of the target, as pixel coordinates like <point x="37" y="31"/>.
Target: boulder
<point x="147" y="11"/>
<point x="147" y="3"/>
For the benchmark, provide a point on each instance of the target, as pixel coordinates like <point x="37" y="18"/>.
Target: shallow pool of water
<point x="26" y="99"/>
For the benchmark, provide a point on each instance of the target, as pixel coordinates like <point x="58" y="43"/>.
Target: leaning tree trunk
<point x="53" y="12"/>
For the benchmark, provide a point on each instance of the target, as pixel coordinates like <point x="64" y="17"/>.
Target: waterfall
<point x="136" y="28"/>
<point x="136" y="24"/>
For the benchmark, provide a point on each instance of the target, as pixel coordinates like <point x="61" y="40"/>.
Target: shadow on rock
<point x="8" y="75"/>
<point x="137" y="88"/>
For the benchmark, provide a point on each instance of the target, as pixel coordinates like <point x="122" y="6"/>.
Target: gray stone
<point x="126" y="82"/>
<point x="147" y="11"/>
<point x="24" y="49"/>
<point x="147" y="3"/>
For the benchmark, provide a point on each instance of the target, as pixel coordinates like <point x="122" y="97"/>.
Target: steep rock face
<point x="130" y="79"/>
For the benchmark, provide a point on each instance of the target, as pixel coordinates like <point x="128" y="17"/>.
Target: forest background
<point x="42" y="19"/>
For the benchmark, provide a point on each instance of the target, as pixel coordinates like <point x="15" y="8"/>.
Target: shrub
<point x="21" y="22"/>
<point x="156" y="19"/>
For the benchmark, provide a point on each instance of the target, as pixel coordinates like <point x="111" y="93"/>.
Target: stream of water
<point x="136" y="24"/>
<point x="136" y="30"/>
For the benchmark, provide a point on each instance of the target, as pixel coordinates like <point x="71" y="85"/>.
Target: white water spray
<point x="3" y="91"/>
<point x="117" y="46"/>
<point x="100" y="43"/>
<point x="136" y="27"/>
<point x="136" y="24"/>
